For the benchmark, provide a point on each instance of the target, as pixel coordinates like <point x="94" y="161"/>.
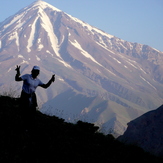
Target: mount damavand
<point x="100" y="78"/>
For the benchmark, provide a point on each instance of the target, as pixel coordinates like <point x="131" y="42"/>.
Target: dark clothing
<point x="28" y="106"/>
<point x="28" y="99"/>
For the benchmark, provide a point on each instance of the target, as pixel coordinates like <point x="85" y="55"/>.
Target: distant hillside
<point x="54" y="140"/>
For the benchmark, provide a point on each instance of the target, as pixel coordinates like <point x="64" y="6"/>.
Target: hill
<point x="53" y="140"/>
<point x="146" y="132"/>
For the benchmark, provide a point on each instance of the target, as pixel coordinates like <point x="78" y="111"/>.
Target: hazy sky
<point x="138" y="21"/>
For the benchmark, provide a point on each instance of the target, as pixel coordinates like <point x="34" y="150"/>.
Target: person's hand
<point x="53" y="78"/>
<point x="17" y="69"/>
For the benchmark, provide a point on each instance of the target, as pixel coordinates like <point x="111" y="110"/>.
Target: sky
<point x="138" y="21"/>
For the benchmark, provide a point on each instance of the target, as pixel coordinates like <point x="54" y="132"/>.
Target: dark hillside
<point x="53" y="140"/>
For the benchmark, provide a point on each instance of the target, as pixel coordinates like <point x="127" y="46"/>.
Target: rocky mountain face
<point x="99" y="77"/>
<point x="146" y="132"/>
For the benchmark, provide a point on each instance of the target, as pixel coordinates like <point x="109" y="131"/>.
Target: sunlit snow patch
<point x="86" y="54"/>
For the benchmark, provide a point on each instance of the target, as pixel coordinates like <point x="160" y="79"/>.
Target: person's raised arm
<point x="17" y="76"/>
<point x="49" y="83"/>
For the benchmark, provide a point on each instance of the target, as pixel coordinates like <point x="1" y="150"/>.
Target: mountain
<point x="146" y="132"/>
<point x="99" y="78"/>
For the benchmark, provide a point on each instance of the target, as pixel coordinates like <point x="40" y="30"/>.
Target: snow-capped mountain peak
<point x="43" y="5"/>
<point x="98" y="74"/>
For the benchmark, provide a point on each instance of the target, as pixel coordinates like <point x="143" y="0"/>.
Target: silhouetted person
<point x="28" y="97"/>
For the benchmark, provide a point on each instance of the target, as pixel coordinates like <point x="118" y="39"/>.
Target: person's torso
<point x="30" y="84"/>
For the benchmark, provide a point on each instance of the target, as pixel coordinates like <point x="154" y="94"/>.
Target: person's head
<point x="35" y="71"/>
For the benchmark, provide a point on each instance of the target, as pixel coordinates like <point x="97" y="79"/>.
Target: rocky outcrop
<point x="146" y="132"/>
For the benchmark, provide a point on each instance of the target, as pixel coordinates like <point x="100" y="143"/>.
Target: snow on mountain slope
<point x="99" y="77"/>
